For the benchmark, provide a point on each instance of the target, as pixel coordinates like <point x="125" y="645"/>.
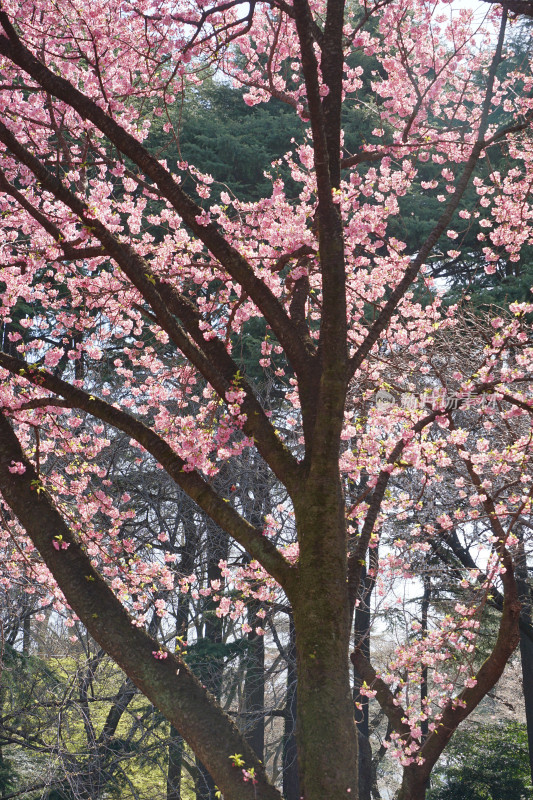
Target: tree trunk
<point x="175" y="745"/>
<point x="424" y="724"/>
<point x="205" y="786"/>
<point x="526" y="645"/>
<point x="362" y="623"/>
<point x="254" y="685"/>
<point x="168" y="683"/>
<point x="364" y="767"/>
<point x="376" y="760"/>
<point x="526" y="656"/>
<point x="213" y="669"/>
<point x="175" y="760"/>
<point x="326" y="732"/>
<point x="291" y="783"/>
<point x="254" y="682"/>
<point x="414" y="786"/>
<point x="26" y="632"/>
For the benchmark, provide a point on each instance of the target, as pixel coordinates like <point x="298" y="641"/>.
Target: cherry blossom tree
<point x="125" y="273"/>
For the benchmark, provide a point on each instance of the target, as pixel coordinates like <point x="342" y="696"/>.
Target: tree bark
<point x="414" y="786"/>
<point x="211" y="672"/>
<point x="426" y="597"/>
<point x="362" y="640"/>
<point x="291" y="783"/>
<point x="326" y="732"/>
<point x="254" y="685"/>
<point x="526" y="645"/>
<point x="174" y="764"/>
<point x="175" y="745"/>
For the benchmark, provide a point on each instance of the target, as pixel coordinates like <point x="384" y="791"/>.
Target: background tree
<point x="485" y="761"/>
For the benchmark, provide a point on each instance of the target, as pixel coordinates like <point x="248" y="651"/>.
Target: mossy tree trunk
<point x="327" y="741"/>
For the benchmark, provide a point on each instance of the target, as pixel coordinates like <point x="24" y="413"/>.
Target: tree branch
<point x="298" y="352"/>
<point x="412" y="271"/>
<point x="209" y="356"/>
<point x="168" y="682"/>
<point x="198" y="489"/>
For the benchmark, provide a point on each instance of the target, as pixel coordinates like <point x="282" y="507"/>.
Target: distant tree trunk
<point x="6" y="329"/>
<point x="362" y="623"/>
<point x="26" y="633"/>
<point x="526" y="656"/>
<point x="174" y="765"/>
<point x="254" y="685"/>
<point x="291" y="784"/>
<point x="79" y="363"/>
<point x="175" y="745"/>
<point x="526" y="644"/>
<point x="377" y="759"/>
<point x="254" y="682"/>
<point x="212" y="671"/>
<point x="426" y="597"/>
